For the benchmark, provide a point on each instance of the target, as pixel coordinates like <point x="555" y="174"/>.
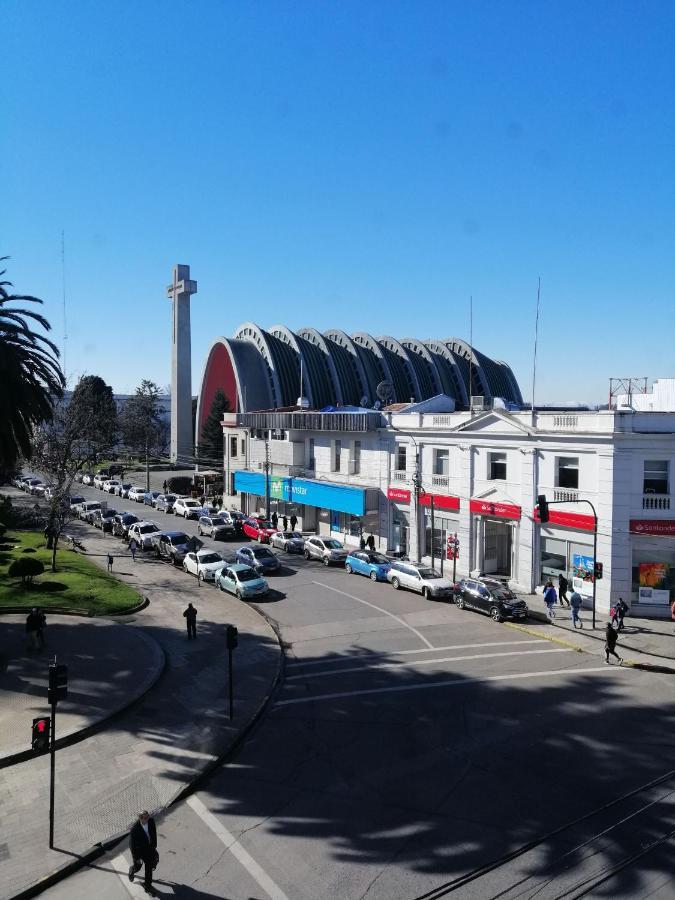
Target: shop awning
<point x="324" y="494"/>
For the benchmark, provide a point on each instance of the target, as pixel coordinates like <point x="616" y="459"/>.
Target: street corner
<point x="110" y="665"/>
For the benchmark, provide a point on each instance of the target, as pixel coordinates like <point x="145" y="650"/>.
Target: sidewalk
<point x="145" y="756"/>
<point x="646" y="643"/>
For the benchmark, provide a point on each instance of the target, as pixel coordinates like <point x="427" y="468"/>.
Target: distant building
<point x="661" y="398"/>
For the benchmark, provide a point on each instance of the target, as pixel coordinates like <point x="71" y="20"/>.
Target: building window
<point x="567" y="472"/>
<point x="441" y="462"/>
<point x="497" y="466"/>
<point x="356" y="458"/>
<point x="401" y="458"/>
<point x="311" y="464"/>
<point x="337" y="453"/>
<point x="278" y="434"/>
<point x="233" y="446"/>
<point x="655" y="476"/>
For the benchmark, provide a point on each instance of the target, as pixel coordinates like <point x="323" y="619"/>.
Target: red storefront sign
<point x="500" y="510"/>
<point x="653" y="526"/>
<point x="567" y="519"/>
<point x="441" y="501"/>
<point x="398" y="495"/>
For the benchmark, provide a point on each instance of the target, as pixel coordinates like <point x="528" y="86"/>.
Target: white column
<point x="181" y="363"/>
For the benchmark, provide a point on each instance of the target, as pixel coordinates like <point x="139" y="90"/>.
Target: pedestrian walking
<point x="550" y="599"/>
<point x="575" y="603"/>
<point x="143" y="846"/>
<point x="275" y="519"/>
<point x="285" y="521"/>
<point x="618" y="612"/>
<point x="133" y="546"/>
<point x="294" y="521"/>
<point x="190" y="616"/>
<point x="563" y="584"/>
<point x="362" y="543"/>
<point x="164" y="486"/>
<point x="611" y="637"/>
<point x="32" y="628"/>
<point x="110" y="562"/>
<point x="370" y="543"/>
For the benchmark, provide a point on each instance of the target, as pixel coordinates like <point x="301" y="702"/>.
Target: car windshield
<point x="218" y="521"/>
<point x="377" y="559"/>
<point x="428" y="574"/>
<point x="210" y="558"/>
<point x="503" y="593"/>
<point x="246" y="575"/>
<point x="262" y="552"/>
<point x="190" y="503"/>
<point x="129" y="520"/>
<point x="265" y="525"/>
<point x="333" y="545"/>
<point x="108" y="513"/>
<point x="170" y="497"/>
<point x="145" y="529"/>
<point x="180" y="538"/>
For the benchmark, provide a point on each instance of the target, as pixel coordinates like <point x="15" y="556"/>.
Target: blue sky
<point x="362" y="165"/>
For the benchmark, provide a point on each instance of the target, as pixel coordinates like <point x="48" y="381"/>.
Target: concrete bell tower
<point x="179" y="293"/>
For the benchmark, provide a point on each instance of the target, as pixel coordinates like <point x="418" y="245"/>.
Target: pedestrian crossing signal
<point x="597" y="571"/>
<point x="41" y="730"/>
<point x="542" y="508"/>
<point x="58" y="684"/>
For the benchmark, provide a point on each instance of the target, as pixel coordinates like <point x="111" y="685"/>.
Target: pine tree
<point x="211" y="444"/>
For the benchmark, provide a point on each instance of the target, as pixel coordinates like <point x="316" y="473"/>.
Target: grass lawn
<point x="77" y="584"/>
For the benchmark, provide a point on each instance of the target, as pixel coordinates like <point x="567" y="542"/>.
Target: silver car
<point x="420" y="578"/>
<point x="289" y="541"/>
<point x="328" y="550"/>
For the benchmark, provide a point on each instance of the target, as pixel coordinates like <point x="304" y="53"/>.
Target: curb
<point x="74" y="737"/>
<point x="546" y="637"/>
<point x="64" y="611"/>
<point x="100" y="849"/>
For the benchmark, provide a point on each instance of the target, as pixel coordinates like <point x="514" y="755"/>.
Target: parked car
<point x="366" y="562"/>
<point x="144" y="532"/>
<point x="420" y="578"/>
<point x="209" y="509"/>
<point x="31" y="484"/>
<point x="289" y="541"/>
<point x="99" y="479"/>
<point x="187" y="508"/>
<point x="137" y="494"/>
<point x="491" y="597"/>
<point x="165" y="502"/>
<point x="173" y="545"/>
<point x="328" y="550"/>
<point x="78" y="477"/>
<point x="110" y="486"/>
<point x="122" y="489"/>
<point x="91" y="514"/>
<point x="84" y="509"/>
<point x="258" y="530"/>
<point x="259" y="558"/>
<point x="205" y="564"/>
<point x="242" y="581"/>
<point x="75" y="501"/>
<point x="216" y="527"/>
<point x="122" y="522"/>
<point x="149" y="497"/>
<point x="88" y="478"/>
<point x="103" y="519"/>
<point x="235" y="516"/>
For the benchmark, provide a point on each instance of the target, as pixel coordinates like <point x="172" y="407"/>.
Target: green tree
<point x="142" y="425"/>
<point x="31" y="380"/>
<point x="211" y="446"/>
<point x="93" y="413"/>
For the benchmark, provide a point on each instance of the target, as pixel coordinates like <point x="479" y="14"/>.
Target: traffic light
<point x="542" y="508"/>
<point x="232" y="637"/>
<point x="40" y="739"/>
<point x="58" y="683"/>
<point x="597" y="571"/>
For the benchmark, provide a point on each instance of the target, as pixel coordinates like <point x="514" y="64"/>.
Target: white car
<point x="110" y="486"/>
<point x="88" y="478"/>
<point x="84" y="509"/>
<point x="99" y="481"/>
<point x="144" y="534"/>
<point x="187" y="508"/>
<point x="205" y="564"/>
<point x="137" y="494"/>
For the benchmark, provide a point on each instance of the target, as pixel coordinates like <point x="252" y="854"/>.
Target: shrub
<point x="29" y="550"/>
<point x="26" y="568"/>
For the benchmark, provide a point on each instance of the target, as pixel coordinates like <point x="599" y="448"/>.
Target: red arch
<point x="219" y="374"/>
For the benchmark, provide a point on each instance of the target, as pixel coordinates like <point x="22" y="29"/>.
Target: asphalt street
<point x="410" y="744"/>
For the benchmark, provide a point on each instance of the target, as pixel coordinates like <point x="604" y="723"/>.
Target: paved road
<point x="411" y="743"/>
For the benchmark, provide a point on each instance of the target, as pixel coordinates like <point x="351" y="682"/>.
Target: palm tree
<point x="30" y="376"/>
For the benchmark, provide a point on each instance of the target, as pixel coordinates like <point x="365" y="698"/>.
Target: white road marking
<point x="429" y="662"/>
<point x="257" y="872"/>
<point x="459" y="682"/>
<point x="346" y="659"/>
<point x="134" y="889"/>
<point x="379" y="609"/>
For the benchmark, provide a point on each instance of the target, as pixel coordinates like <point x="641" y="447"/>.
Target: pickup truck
<point x="173" y="545"/>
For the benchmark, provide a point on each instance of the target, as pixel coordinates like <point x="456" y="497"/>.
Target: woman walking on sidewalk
<point x="550" y="599"/>
<point x="575" y="603"/>
<point x="611" y="638"/>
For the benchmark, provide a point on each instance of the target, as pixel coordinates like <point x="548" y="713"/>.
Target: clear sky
<point x="365" y="165"/>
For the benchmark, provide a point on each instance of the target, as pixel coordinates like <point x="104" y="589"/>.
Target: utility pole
<point x="267" y="479"/>
<point x="58" y="690"/>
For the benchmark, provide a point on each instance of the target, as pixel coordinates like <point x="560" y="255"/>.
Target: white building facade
<point x="417" y="481"/>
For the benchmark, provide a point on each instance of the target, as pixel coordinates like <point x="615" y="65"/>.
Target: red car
<point x="259" y="530"/>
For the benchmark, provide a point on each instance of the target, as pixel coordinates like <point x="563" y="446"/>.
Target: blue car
<point x="259" y="558"/>
<point x="365" y="562"/>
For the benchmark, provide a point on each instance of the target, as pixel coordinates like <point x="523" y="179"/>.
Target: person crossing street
<point x="190" y="616"/>
<point x="143" y="846"/>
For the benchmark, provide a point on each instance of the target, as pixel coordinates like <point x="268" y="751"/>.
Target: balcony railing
<point x="440" y="481"/>
<point x="311" y="421"/>
<point x="566" y="495"/>
<point x="656" y="501"/>
<point x="399" y="476"/>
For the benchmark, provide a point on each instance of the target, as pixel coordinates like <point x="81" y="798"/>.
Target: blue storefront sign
<point x="326" y="495"/>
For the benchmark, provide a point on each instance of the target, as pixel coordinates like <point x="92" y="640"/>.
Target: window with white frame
<point x="655" y="476"/>
<point x="441" y="462"/>
<point x="401" y="457"/>
<point x="497" y="466"/>
<point x="567" y="472"/>
<point x="337" y="453"/>
<point x="356" y="458"/>
<point x="233" y="445"/>
<point x="311" y="463"/>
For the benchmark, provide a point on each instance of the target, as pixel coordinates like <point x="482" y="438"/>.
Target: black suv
<point x="489" y="596"/>
<point x="173" y="545"/>
<point x="122" y="522"/>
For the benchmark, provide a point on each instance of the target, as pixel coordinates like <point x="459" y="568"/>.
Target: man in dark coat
<point x="610" y="643"/>
<point x="294" y="521"/>
<point x="190" y="616"/>
<point x="563" y="584"/>
<point x="143" y="846"/>
<point x="371" y="542"/>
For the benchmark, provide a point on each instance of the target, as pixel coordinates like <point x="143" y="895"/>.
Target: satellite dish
<point x="385" y="391"/>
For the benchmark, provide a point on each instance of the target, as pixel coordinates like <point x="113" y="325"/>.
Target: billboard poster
<point x="654" y="584"/>
<point x="582" y="574"/>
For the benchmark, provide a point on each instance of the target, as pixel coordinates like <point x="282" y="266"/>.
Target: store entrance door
<point x="400" y="536"/>
<point x="497" y="548"/>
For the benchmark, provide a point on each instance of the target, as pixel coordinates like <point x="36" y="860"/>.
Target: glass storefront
<point x="653" y="570"/>
<point x="400" y="531"/>
<point x="444" y="526"/>
<point x="558" y="557"/>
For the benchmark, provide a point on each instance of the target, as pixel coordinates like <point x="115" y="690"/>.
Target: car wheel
<point x="326" y="561"/>
<point x="220" y="586"/>
<point x="239" y="595"/>
<point x="307" y="555"/>
<point x="396" y="584"/>
<point x="348" y="569"/>
<point x="260" y="538"/>
<point x="373" y="576"/>
<point x="200" y="532"/>
<point x="200" y="577"/>
<point x="185" y="568"/>
<point x="495" y="614"/>
<point x="426" y="593"/>
<point x="459" y="601"/>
